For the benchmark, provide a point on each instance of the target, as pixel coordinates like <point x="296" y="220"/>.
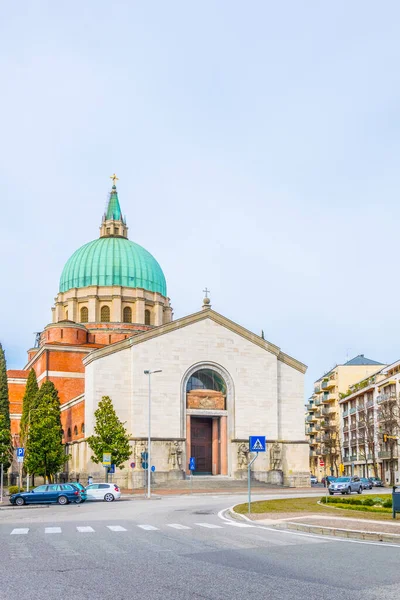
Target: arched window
<point x="147" y="317"/>
<point x="105" y="314"/>
<point x="206" y="379"/>
<point x="69" y="432"/>
<point x="127" y="316"/>
<point x="75" y="430"/>
<point x="83" y="428"/>
<point x="84" y="314"/>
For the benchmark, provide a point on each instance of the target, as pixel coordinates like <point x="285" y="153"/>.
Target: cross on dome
<point x="114" y="178"/>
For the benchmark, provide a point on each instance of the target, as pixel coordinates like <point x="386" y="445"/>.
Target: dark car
<point x="366" y="483"/>
<point x="61" y="493"/>
<point x="376" y="482"/>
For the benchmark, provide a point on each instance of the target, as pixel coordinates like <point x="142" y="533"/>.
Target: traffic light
<point x="385" y="437"/>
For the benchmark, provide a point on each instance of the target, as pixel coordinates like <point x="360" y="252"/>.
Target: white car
<point x="103" y="491"/>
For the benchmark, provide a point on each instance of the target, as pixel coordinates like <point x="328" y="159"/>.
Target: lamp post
<point x="149" y="373"/>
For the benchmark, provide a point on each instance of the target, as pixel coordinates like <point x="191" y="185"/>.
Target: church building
<point x="216" y="382"/>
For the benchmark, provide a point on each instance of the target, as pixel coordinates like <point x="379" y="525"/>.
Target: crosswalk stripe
<point x="178" y="526"/>
<point x="209" y="525"/>
<point x="148" y="527"/>
<point x="116" y="528"/>
<point x="85" y="529"/>
<point x="52" y="530"/>
<point x="20" y="531"/>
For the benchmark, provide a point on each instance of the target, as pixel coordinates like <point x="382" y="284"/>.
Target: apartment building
<point x="322" y="416"/>
<point x="370" y="426"/>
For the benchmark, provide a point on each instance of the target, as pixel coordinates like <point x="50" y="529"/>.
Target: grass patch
<point x="308" y="506"/>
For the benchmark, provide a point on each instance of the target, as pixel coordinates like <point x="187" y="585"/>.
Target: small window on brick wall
<point x="69" y="432"/>
<point x="83" y="428"/>
<point x="75" y="430"/>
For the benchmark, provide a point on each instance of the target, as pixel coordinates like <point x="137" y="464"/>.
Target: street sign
<point x="20" y="454"/>
<point x="257" y="443"/>
<point x="106" y="459"/>
<point x="321" y="463"/>
<point x="192" y="464"/>
<point x="153" y="468"/>
<point x="133" y="465"/>
<point x="145" y="465"/>
<point x="111" y="469"/>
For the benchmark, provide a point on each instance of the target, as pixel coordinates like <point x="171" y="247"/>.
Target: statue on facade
<point x="276" y="457"/>
<point x="243" y="456"/>
<point x="175" y="455"/>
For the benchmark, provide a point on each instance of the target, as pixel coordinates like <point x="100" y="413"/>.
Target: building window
<point x="127" y="314"/>
<point x="62" y="333"/>
<point x="75" y="430"/>
<point x="105" y="314"/>
<point x="84" y="314"/>
<point x="147" y="317"/>
<point x="69" y="433"/>
<point x="83" y="428"/>
<point x="206" y="379"/>
<point x="116" y="230"/>
<point x="108" y="230"/>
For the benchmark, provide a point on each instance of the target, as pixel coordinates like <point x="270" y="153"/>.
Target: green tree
<point x="45" y="454"/>
<point x="6" y="451"/>
<point x="111" y="435"/>
<point x="47" y="389"/>
<point x="4" y="402"/>
<point x="27" y="404"/>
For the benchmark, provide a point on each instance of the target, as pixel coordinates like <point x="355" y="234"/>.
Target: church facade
<point x="217" y="383"/>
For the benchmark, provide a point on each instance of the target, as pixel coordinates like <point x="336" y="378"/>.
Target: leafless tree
<point x="389" y="428"/>
<point x="367" y="438"/>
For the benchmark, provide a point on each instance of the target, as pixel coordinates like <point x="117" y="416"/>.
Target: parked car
<point x="80" y="487"/>
<point x="56" y="493"/>
<point x="376" y="482"/>
<point x="346" y="485"/>
<point x="103" y="491"/>
<point x="313" y="479"/>
<point x="366" y="483"/>
<point x="327" y="480"/>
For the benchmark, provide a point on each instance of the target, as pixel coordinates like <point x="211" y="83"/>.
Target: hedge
<point x="367" y="503"/>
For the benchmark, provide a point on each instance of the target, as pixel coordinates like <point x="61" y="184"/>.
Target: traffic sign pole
<point x="249" y="479"/>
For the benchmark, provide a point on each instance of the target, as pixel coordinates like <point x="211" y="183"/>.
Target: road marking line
<point x="116" y="528"/>
<point x="85" y="529"/>
<point x="52" y="530"/>
<point x="178" y="526"/>
<point x="240" y="524"/>
<point x="148" y="527"/>
<point x="20" y="531"/>
<point x="209" y="525"/>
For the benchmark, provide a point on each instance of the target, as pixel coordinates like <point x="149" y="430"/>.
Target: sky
<point x="257" y="149"/>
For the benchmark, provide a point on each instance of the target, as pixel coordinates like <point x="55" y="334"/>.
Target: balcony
<point x="360" y="408"/>
<point x="310" y="418"/>
<point x="353" y="457"/>
<point x="345" y="412"/>
<point x="317" y="389"/>
<point x="345" y="427"/>
<point x="346" y="443"/>
<point x="352" y="411"/>
<point x="326" y="411"/>
<point x="311" y="406"/>
<point x="389" y="397"/>
<point x="317" y="401"/>
<point x="310" y="429"/>
<point x="317" y="427"/>
<point x="353" y="425"/>
<point x="384" y="454"/>
<point x="328" y="398"/>
<point x="331" y="383"/>
<point x="324" y="385"/>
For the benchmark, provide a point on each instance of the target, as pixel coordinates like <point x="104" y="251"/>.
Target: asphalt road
<point x="180" y="548"/>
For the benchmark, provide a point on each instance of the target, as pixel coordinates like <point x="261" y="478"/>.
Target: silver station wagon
<point x="346" y="485"/>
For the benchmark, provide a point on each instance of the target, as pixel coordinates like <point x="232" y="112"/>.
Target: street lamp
<point x="149" y="373"/>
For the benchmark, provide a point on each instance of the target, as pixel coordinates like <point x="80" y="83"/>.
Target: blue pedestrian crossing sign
<point x="192" y="464"/>
<point x="257" y="443"/>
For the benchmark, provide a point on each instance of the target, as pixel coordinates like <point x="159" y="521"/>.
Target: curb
<point x="26" y="507"/>
<point x="354" y="534"/>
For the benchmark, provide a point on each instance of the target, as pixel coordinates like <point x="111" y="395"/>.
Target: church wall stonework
<point x="266" y="398"/>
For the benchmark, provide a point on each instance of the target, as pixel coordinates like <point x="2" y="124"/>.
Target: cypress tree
<point x="5" y="444"/>
<point x="45" y="453"/>
<point x="4" y="402"/>
<point x="27" y="404"/>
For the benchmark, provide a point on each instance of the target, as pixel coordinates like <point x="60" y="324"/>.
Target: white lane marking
<point x="116" y="528"/>
<point x="85" y="529"/>
<point x="209" y="525"/>
<point x="20" y="531"/>
<point x="52" y="530"/>
<point x="178" y="526"/>
<point x="326" y="538"/>
<point x="148" y="527"/>
<point x="234" y="524"/>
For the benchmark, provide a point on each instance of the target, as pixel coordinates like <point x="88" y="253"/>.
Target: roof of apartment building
<point x="361" y="360"/>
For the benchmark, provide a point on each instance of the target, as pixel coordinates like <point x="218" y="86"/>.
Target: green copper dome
<point x="113" y="261"/>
